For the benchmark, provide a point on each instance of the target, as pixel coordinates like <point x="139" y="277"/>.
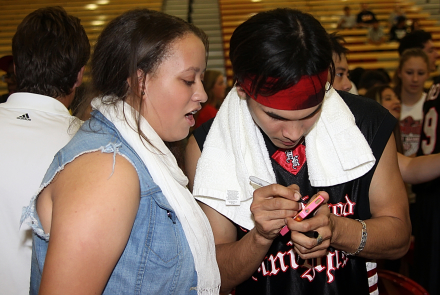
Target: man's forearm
<point x="239" y="260"/>
<point x="387" y="237"/>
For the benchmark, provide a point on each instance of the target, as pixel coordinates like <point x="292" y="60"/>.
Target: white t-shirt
<point x="32" y="129"/>
<point x="348" y="22"/>
<point x="411" y="126"/>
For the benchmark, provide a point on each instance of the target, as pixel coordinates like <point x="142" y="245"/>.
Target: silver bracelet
<point x="363" y="239"/>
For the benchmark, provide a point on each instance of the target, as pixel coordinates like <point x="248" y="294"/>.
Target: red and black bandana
<point x="307" y="93"/>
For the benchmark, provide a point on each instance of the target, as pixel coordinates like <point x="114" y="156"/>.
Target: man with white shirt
<point x="50" y="50"/>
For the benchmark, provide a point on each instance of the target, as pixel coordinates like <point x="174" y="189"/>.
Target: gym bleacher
<point x="95" y="14"/>
<point x="328" y="12"/>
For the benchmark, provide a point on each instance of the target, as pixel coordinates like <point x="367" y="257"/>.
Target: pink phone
<point x="301" y="215"/>
<point x="304" y="212"/>
<point x="309" y="208"/>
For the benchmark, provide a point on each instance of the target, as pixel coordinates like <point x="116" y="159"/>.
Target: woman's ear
<point x="138" y="86"/>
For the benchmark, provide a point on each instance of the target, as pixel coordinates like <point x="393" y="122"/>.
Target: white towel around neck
<point x="336" y="151"/>
<point x="165" y="172"/>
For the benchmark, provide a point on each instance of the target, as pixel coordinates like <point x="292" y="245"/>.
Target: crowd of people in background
<point x="378" y="32"/>
<point x="405" y="96"/>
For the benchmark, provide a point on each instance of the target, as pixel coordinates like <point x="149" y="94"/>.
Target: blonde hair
<point x="406" y="55"/>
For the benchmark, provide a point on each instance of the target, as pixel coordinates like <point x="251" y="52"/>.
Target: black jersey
<point x="427" y="224"/>
<point x="282" y="271"/>
<point x="430" y="135"/>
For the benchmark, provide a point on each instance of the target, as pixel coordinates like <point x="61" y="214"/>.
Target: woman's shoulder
<point x="99" y="136"/>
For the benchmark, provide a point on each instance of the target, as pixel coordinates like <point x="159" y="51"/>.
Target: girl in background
<point x="414" y="170"/>
<point x="215" y="86"/>
<point x="409" y="81"/>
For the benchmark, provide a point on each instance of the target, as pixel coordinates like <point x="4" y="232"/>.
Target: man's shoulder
<point x="364" y="109"/>
<point x="37" y="103"/>
<point x="354" y="100"/>
<point x="44" y="120"/>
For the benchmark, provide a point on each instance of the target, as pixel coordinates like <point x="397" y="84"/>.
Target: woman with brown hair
<point x="113" y="214"/>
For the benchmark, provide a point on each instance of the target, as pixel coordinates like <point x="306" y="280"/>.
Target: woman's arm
<point x="419" y="169"/>
<point x="92" y="215"/>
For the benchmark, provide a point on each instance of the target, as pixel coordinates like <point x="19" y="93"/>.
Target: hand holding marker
<point x="309" y="208"/>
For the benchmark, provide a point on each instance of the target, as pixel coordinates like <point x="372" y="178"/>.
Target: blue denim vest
<point x="157" y="258"/>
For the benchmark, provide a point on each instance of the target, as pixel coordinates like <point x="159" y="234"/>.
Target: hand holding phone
<point x="261" y="183"/>
<point x="309" y="208"/>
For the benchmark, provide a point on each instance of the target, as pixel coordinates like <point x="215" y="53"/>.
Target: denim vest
<point x="157" y="258"/>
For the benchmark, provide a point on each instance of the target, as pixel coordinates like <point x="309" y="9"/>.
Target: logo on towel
<point x="291" y="160"/>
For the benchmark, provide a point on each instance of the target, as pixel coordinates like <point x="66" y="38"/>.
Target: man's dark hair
<point x="371" y="78"/>
<point x="49" y="48"/>
<point x="355" y="75"/>
<point x="285" y="44"/>
<point x="400" y="19"/>
<point x="416" y="39"/>
<point x="336" y="42"/>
